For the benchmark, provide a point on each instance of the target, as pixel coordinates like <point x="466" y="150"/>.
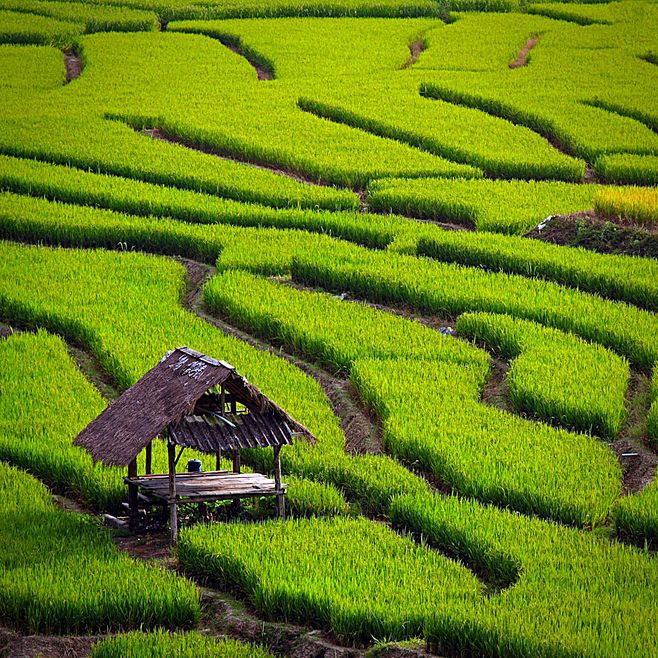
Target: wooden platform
<point x="206" y="487"/>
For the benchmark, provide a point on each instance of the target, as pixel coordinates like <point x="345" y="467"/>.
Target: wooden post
<point x="280" y="496"/>
<point x="236" y="469"/>
<point x="218" y="460"/>
<point x="149" y="458"/>
<point x="133" y="499"/>
<point x="173" y="510"/>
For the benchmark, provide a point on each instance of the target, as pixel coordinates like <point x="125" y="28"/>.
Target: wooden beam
<point x="173" y="510"/>
<point x="218" y="460"/>
<point x="280" y="495"/>
<point x="237" y="506"/>
<point x="133" y="500"/>
<point x="149" y="458"/>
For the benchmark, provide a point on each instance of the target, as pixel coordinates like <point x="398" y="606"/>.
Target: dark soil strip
<point x="637" y="459"/>
<point x="363" y="433"/>
<point x="496" y="390"/>
<point x="415" y="49"/>
<point x="73" y="64"/>
<point x="590" y="231"/>
<point x="15" y="645"/>
<point x="157" y="133"/>
<point x="224" y="615"/>
<point x="90" y="366"/>
<point x="262" y="72"/>
<point x="524" y="53"/>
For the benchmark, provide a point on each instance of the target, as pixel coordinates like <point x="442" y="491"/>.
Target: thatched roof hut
<point x="176" y="394"/>
<point x="198" y="402"/>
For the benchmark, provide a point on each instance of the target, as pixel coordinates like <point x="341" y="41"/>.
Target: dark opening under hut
<point x="192" y="401"/>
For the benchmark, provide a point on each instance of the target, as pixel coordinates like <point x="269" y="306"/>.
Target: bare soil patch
<point x="524" y="53"/>
<point x="496" y="390"/>
<point x="590" y="231"/>
<point x="73" y="64"/>
<point x="415" y="49"/>
<point x="15" y="645"/>
<point x="637" y="459"/>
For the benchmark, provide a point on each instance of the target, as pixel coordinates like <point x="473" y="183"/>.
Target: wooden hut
<point x="192" y="401"/>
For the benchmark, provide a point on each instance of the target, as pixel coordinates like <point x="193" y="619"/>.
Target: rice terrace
<point x="328" y="329"/>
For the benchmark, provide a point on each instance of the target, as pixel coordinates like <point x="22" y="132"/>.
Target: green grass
<point x="147" y="199"/>
<point x="555" y="376"/>
<point x="19" y="28"/>
<point x="30" y="67"/>
<point x="52" y="389"/>
<point x="340" y="574"/>
<point x="513" y="207"/>
<point x="333" y="332"/>
<point x="351" y="47"/>
<point x="104" y="310"/>
<point x="394" y="109"/>
<point x="213" y="9"/>
<point x="174" y="645"/>
<point x="652" y="418"/>
<point x="113" y="148"/>
<point x="434" y="420"/>
<point x="449" y="289"/>
<point x="636" y="516"/>
<point x="628" y="169"/>
<point x="577" y="594"/>
<point x="61" y="573"/>
<point x="93" y="18"/>
<point x="626" y="278"/>
<point x="402" y="369"/>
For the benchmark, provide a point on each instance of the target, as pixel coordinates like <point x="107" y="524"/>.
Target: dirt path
<point x="524" y="53"/>
<point x="158" y="133"/>
<point x="415" y="49"/>
<point x="262" y="72"/>
<point x="363" y="433"/>
<point x="15" y="645"/>
<point x="638" y="461"/>
<point x="589" y="231"/>
<point x="73" y="64"/>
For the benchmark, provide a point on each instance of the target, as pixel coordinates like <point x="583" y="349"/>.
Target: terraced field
<point x="428" y="230"/>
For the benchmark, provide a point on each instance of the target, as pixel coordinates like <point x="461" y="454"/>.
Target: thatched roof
<point x="167" y="396"/>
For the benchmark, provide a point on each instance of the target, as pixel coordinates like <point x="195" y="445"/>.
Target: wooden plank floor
<point x="205" y="487"/>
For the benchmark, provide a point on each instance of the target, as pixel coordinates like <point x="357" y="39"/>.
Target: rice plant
<point x="161" y="644"/>
<point x="61" y="573"/>
<point x="555" y="376"/>
<point x="634" y="205"/>
<point x="572" y="592"/>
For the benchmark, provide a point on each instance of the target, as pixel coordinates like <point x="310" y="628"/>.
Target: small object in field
<point x="447" y="331"/>
<point x="544" y="222"/>
<point x="194" y="466"/>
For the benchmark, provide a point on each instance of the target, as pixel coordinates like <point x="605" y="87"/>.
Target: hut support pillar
<point x="133" y="498"/>
<point x="173" y="510"/>
<point x="237" y="506"/>
<point x="149" y="458"/>
<point x="218" y="460"/>
<point x="280" y="497"/>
